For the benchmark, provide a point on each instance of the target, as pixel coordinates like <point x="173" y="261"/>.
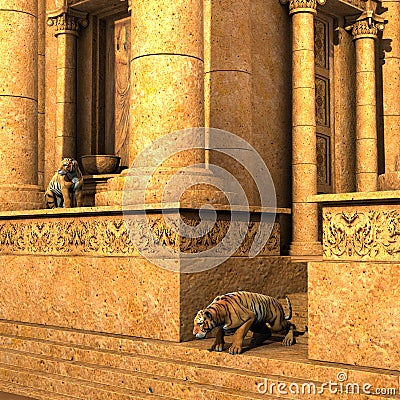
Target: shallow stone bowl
<point x="100" y="164"/>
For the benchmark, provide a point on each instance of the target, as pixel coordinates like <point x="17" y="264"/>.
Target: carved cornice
<point x="303" y="5"/>
<point x="67" y="21"/>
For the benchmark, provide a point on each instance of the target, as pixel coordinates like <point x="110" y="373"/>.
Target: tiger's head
<point x="203" y="323"/>
<point x="68" y="165"/>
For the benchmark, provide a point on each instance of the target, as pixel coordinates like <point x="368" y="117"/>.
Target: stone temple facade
<point x="97" y="302"/>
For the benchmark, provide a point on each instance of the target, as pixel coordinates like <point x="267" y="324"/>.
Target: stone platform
<point x="80" y="269"/>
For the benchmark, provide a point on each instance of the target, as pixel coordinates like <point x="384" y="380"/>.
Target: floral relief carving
<point x="107" y="236"/>
<point x="369" y="235"/>
<point x="392" y="239"/>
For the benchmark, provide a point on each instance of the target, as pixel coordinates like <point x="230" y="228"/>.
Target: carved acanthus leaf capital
<point x="303" y="5"/>
<point x="67" y="20"/>
<point x="368" y="24"/>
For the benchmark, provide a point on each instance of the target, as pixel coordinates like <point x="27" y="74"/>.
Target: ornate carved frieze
<point x="302" y="5"/>
<point x="67" y="21"/>
<point x="116" y="236"/>
<point x="361" y="234"/>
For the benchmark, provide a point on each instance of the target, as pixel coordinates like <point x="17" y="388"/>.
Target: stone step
<point x="271" y="358"/>
<point x="70" y="353"/>
<point x="83" y="378"/>
<point x="56" y="387"/>
<point x="135" y="372"/>
<point x="22" y="393"/>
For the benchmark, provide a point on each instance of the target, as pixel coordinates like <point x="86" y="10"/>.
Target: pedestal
<point x="354" y="294"/>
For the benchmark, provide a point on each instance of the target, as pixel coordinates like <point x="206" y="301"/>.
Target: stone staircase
<point x="53" y="364"/>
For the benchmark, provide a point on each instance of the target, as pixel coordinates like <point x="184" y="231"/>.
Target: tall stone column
<point x="391" y="90"/>
<point x="167" y="89"/>
<point x="167" y="70"/>
<point x="304" y="145"/>
<point x="19" y="105"/>
<point x="67" y="24"/>
<point x="364" y="32"/>
<point x="228" y="79"/>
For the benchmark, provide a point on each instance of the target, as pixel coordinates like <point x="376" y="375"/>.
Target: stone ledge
<point x="112" y="210"/>
<point x="381" y="197"/>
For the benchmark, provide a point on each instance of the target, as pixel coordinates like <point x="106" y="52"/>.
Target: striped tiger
<point x="65" y="188"/>
<point x="239" y="312"/>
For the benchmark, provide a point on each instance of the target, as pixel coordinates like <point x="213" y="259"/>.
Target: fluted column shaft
<point x="67" y="24"/>
<point x="304" y="146"/>
<point x="18" y="105"/>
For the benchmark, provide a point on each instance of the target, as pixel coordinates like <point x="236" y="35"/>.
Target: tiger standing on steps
<point x="65" y="188"/>
<point x="240" y="312"/>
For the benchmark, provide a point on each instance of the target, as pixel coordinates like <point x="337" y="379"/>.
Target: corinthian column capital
<point x="303" y="5"/>
<point x="66" y="20"/>
<point x="368" y="24"/>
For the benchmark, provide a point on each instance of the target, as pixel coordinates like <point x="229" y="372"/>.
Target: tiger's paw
<point x="288" y="341"/>
<point x="235" y="349"/>
<point x="217" y="347"/>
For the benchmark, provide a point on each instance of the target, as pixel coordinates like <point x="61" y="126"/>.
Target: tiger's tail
<point x="288" y="317"/>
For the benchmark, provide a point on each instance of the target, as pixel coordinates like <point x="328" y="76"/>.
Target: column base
<point x="128" y="188"/>
<point x="20" y="197"/>
<point x="305" y="249"/>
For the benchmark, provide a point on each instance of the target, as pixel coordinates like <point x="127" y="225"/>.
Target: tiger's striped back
<point x="266" y="308"/>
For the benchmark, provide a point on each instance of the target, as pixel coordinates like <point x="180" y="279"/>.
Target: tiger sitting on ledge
<point x="240" y="312"/>
<point x="65" y="188"/>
